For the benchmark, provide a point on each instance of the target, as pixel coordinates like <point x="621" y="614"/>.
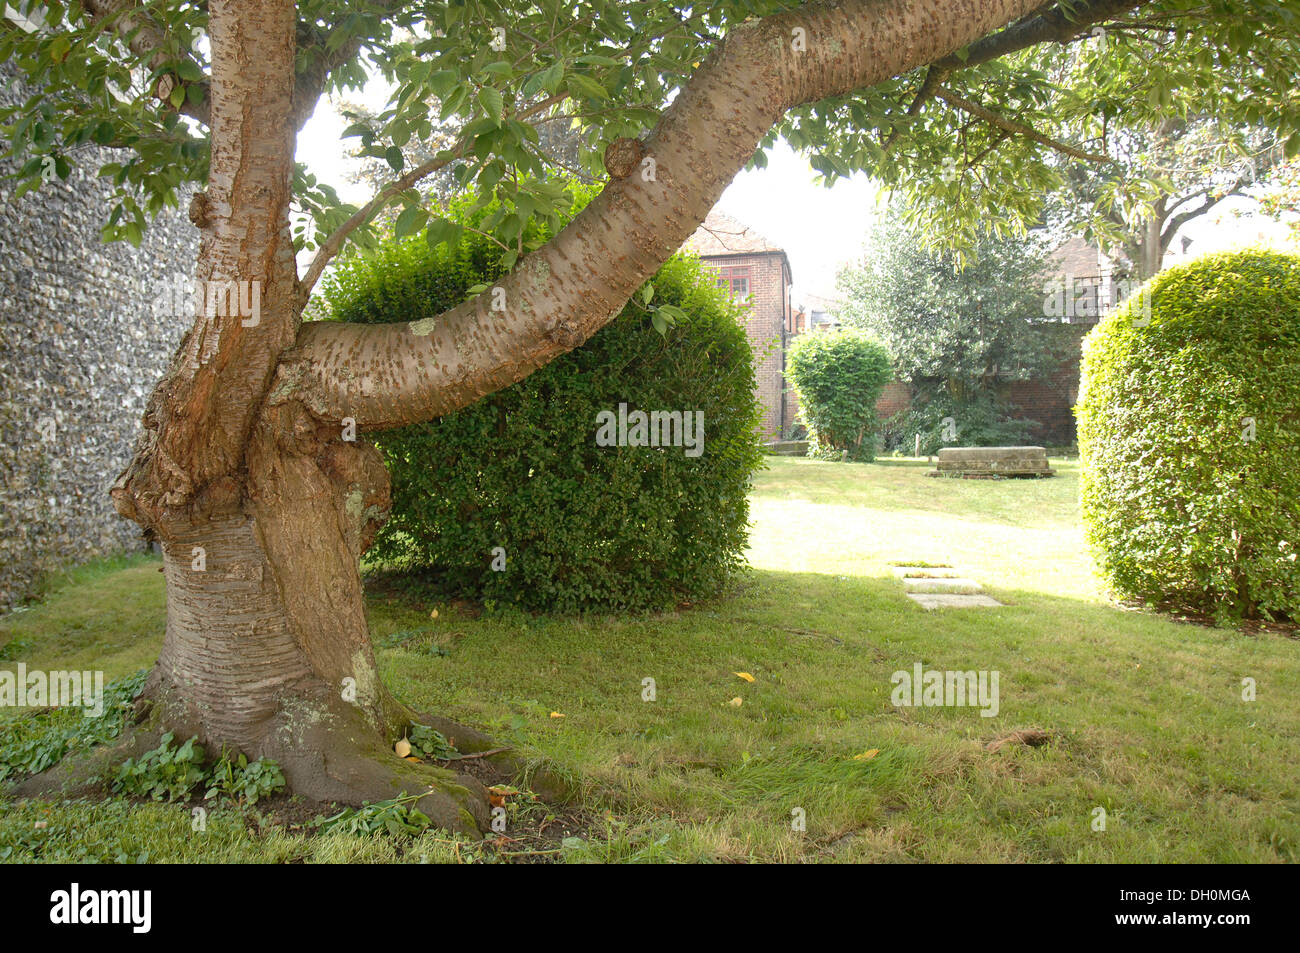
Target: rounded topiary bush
<point x="1189" y="433"/>
<point x="520" y="478"/>
<point x="839" y="376"/>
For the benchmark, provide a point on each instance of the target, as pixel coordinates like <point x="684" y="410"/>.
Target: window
<point x="734" y="279"/>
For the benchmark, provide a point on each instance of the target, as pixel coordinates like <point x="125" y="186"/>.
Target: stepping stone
<point x="925" y="572"/>
<point x="947" y="600"/>
<point x="942" y="585"/>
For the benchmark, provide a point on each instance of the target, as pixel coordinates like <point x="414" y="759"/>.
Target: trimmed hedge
<point x="839" y="376"/>
<point x="1189" y="433"/>
<point x="582" y="526"/>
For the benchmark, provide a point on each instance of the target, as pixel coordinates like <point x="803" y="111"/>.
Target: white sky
<point x="820" y="228"/>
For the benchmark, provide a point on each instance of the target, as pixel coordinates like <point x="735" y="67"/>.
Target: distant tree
<point x="1134" y="128"/>
<point x="964" y="325"/>
<point x="958" y="327"/>
<point x="1160" y="178"/>
<point x="1282" y="198"/>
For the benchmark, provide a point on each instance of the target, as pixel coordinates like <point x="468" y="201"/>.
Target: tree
<point x="1282" y="200"/>
<point x="1149" y="114"/>
<point x="248" y="470"/>
<point x="1160" y="179"/>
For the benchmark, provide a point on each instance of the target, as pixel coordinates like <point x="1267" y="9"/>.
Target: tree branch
<point x="1052" y="26"/>
<point x="933" y="77"/>
<point x="561" y="294"/>
<point x="1015" y="128"/>
<point x="143" y="37"/>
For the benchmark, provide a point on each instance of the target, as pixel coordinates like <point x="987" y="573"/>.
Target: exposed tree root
<point x="327" y="749"/>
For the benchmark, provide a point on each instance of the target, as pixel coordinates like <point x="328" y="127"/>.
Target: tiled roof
<point x="722" y="235"/>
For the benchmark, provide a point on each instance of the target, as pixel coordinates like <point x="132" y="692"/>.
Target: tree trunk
<point x="263" y="511"/>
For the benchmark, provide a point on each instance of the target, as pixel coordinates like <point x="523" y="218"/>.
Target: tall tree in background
<point x="248" y="455"/>
<point x="1158" y="180"/>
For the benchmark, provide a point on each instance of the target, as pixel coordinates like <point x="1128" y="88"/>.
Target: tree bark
<point x="245" y="472"/>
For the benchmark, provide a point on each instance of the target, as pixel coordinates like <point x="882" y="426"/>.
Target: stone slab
<point x="1000" y="461"/>
<point x="948" y="600"/>
<point x="787" y="448"/>
<point x="942" y="585"/>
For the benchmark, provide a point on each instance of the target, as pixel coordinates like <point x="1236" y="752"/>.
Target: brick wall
<point x="769" y="301"/>
<point x="896" y="397"/>
<point x="1049" y="401"/>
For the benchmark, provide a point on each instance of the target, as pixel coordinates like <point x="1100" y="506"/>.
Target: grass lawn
<point x="1146" y="714"/>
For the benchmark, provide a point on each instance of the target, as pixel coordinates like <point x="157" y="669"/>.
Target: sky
<point x="820" y="228"/>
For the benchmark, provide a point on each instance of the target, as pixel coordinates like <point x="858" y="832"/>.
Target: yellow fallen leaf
<point x="403" y="747"/>
<point x="433" y="614"/>
<point x="413" y="758"/>
<point x="745" y="675"/>
<point x="866" y="755"/>
<point x="736" y="702"/>
<point x="556" y="714"/>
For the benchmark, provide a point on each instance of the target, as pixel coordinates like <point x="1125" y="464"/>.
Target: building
<point x="751" y="267"/>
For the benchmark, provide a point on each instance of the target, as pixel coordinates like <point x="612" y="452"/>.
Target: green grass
<point x="1146" y="713"/>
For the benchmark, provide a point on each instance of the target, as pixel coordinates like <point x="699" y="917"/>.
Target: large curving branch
<point x="395" y="374"/>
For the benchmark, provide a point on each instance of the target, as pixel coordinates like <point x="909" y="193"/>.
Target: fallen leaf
<point x="433" y="614"/>
<point x="745" y="675"/>
<point x="403" y="747"/>
<point x="413" y="759"/>
<point x="556" y="714"/>
<point x="736" y="702"/>
<point x="866" y="755"/>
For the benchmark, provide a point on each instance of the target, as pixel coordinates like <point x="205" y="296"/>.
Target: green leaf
<point x="553" y="77"/>
<point x="581" y="85"/>
<point x="441" y="230"/>
<point x="410" y="221"/>
<point x="490" y="99"/>
<point x="443" y="82"/>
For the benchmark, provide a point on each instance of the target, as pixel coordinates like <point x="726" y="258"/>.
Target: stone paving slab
<point x="948" y="600"/>
<point x="913" y="584"/>
<point x="947" y="572"/>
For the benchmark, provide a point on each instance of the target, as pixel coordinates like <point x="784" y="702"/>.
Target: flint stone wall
<point x="81" y="347"/>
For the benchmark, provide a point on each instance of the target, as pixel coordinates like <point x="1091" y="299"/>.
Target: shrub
<point x="839" y="376"/>
<point x="1189" y="433"/>
<point x="518" y="478"/>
